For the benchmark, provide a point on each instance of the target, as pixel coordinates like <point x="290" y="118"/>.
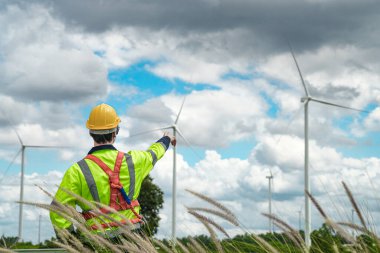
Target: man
<point x="107" y="175"/>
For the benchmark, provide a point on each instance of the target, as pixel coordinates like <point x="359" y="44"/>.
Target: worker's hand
<point x="173" y="141"/>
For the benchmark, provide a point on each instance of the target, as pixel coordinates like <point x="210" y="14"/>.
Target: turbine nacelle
<point x="305" y="99"/>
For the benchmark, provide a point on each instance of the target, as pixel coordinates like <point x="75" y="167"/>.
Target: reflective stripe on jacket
<point x="136" y="165"/>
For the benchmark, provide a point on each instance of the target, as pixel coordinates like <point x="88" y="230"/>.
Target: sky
<point x="243" y="115"/>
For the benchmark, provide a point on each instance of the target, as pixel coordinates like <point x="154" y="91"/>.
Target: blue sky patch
<point x="239" y="149"/>
<point x="150" y="85"/>
<point x="273" y="107"/>
<point x="367" y="146"/>
<point x="237" y="75"/>
<point x="345" y="123"/>
<point x="100" y="53"/>
<point x="39" y="160"/>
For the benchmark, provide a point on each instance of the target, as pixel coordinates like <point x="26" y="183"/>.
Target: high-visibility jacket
<point x="89" y="181"/>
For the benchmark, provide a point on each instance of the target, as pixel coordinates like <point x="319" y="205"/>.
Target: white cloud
<point x="372" y="122"/>
<point x="345" y="75"/>
<point x="210" y="118"/>
<point x="191" y="69"/>
<point x="41" y="60"/>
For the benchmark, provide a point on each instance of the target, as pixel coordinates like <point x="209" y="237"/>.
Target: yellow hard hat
<point x="103" y="119"/>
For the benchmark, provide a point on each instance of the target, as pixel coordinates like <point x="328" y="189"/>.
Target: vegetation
<point x="331" y="237"/>
<point x="151" y="200"/>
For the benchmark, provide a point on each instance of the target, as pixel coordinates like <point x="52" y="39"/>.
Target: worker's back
<point x="109" y="177"/>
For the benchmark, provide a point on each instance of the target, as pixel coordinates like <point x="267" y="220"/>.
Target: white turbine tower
<point x="306" y="99"/>
<point x="176" y="130"/>
<point x="299" y="219"/>
<point x="270" y="179"/>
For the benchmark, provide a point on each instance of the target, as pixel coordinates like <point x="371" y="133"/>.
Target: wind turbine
<point x="270" y="179"/>
<point x="176" y="130"/>
<point x="306" y="99"/>
<point x="23" y="147"/>
<point x="299" y="219"/>
<point x="22" y="150"/>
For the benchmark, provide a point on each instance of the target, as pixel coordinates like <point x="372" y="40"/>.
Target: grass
<point x="333" y="236"/>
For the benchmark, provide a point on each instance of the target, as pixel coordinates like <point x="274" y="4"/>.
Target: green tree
<point x="8" y="241"/>
<point x="325" y="240"/>
<point x="151" y="201"/>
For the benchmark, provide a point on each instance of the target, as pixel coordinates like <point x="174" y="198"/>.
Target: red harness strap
<point x="117" y="201"/>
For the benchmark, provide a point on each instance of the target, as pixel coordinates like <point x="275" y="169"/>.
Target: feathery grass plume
<point x="182" y="247"/>
<point x="196" y="246"/>
<point x="213" y="236"/>
<point x="213" y="202"/>
<point x="354" y="205"/>
<point x="72" y="240"/>
<point x="54" y="202"/>
<point x="264" y="244"/>
<point x="353" y="226"/>
<point x="340" y="231"/>
<point x="84" y="230"/>
<point x="129" y="246"/>
<point x="231" y="219"/>
<point x="64" y="208"/>
<point x="144" y="243"/>
<point x="162" y="246"/>
<point x="91" y="205"/>
<point x="98" y="212"/>
<point x="66" y="247"/>
<point x="290" y="236"/>
<point x="71" y="214"/>
<point x="328" y="221"/>
<point x="95" y="208"/>
<point x="62" y="235"/>
<point x="316" y="204"/>
<point x="361" y="229"/>
<point x="294" y="235"/>
<point x="67" y="212"/>
<point x="202" y="218"/>
<point x="96" y="239"/>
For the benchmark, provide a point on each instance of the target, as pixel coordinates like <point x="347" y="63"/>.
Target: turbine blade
<point x="9" y="165"/>
<point x="180" y="110"/>
<point x="149" y="131"/>
<point x="12" y="126"/>
<point x="188" y="143"/>
<point x="336" y="105"/>
<point x="18" y="136"/>
<point x="45" y="146"/>
<point x="299" y="71"/>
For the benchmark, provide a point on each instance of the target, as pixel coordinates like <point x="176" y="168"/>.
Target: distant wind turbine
<point x="299" y="219"/>
<point x="23" y="147"/>
<point x="270" y="179"/>
<point x="22" y="150"/>
<point x="306" y="99"/>
<point x="176" y="130"/>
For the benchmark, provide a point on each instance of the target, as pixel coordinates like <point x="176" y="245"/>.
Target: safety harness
<point x="119" y="200"/>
